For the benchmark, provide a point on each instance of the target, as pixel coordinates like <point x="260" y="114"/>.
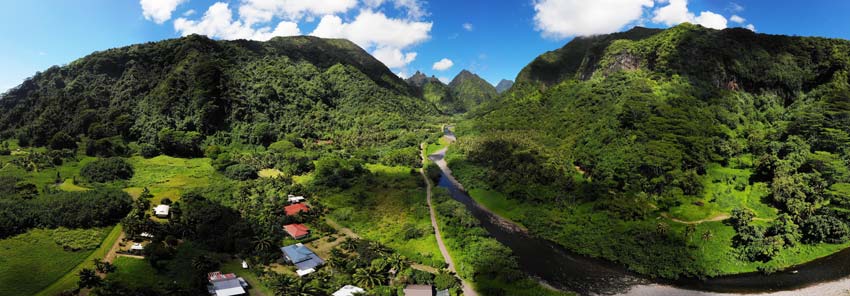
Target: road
<point x="467" y="288"/>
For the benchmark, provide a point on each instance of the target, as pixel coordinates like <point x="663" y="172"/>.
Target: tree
<point x="103" y="267"/>
<point x="785" y="228"/>
<point x="707" y="235"/>
<point x="282" y="284"/>
<point x="262" y="243"/>
<point x="822" y="228"/>
<point x="741" y="217"/>
<point x="368" y="277"/>
<point x="62" y="140"/>
<point x="88" y="279"/>
<point x="203" y="264"/>
<point x="446" y="280"/>
<point x="303" y="288"/>
<point x="106" y="170"/>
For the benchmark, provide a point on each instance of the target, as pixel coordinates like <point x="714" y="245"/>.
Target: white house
<point x="161" y="211"/>
<point x="137" y="247"/>
<point x="348" y="290"/>
<point x="295" y="199"/>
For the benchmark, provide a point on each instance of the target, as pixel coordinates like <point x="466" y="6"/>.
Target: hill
<point x="436" y="92"/>
<point x="471" y="89"/>
<point x="678" y="152"/>
<point x="504" y="85"/>
<point x="309" y="87"/>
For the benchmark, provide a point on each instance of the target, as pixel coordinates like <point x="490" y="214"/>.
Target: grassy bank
<point x="69" y="278"/>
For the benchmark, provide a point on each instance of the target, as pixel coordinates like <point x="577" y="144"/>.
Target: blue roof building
<point x="302" y="257"/>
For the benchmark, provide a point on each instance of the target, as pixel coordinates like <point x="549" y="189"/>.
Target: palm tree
<point x="303" y="288"/>
<point x="262" y="243"/>
<point x="707" y="235"/>
<point x="349" y="244"/>
<point x="282" y="284"/>
<point x="89" y="279"/>
<point x="102" y="266"/>
<point x="203" y="263"/>
<point x="397" y="262"/>
<point x="368" y="277"/>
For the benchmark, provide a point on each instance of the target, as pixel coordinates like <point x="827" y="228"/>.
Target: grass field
<point x="136" y="273"/>
<point x="394" y="203"/>
<point x="47" y="176"/>
<point x="139" y="273"/>
<point x="69" y="185"/>
<point x="726" y="189"/>
<point x="168" y="176"/>
<point x="269" y="173"/>
<point x="31" y="261"/>
<point x="434" y="147"/>
<point x="498" y="203"/>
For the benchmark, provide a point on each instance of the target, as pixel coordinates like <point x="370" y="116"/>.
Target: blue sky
<point x="494" y="38"/>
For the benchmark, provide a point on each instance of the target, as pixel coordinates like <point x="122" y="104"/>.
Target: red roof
<point x="217" y="276"/>
<point x="292" y="210"/>
<point x="296" y="230"/>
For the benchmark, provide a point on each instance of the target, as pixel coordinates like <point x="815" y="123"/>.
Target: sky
<point x="493" y="38"/>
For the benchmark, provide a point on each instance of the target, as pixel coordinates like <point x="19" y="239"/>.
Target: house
<point x="137" y="247"/>
<point x="348" y="290"/>
<point x="295" y="199"/>
<point x="443" y="293"/>
<point x="226" y="284"/>
<point x="297" y="231"/>
<point x="302" y="257"/>
<point x="419" y="290"/>
<point x="161" y="211"/>
<point x="292" y="210"/>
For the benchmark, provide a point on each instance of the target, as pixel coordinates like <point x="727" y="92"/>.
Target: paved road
<point x="467" y="288"/>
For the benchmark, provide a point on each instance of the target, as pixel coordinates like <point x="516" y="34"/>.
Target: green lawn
<point x="32" y="261"/>
<point x="498" y="203"/>
<point x="136" y="273"/>
<point x="726" y="189"/>
<point x="434" y="147"/>
<point x="47" y="176"/>
<point x="168" y="176"/>
<point x="69" y="279"/>
<point x="139" y="273"/>
<point x="69" y="185"/>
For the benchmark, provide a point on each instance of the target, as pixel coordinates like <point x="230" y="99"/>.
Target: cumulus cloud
<point x="468" y="27"/>
<point x="218" y="22"/>
<point x="676" y="12"/>
<point x="414" y="8"/>
<point x="374" y="30"/>
<point x="443" y="65"/>
<point x="394" y="57"/>
<point x="565" y="18"/>
<point x="737" y="19"/>
<point x="750" y="27"/>
<point x="444" y="80"/>
<point x="261" y="11"/>
<point x="159" y="11"/>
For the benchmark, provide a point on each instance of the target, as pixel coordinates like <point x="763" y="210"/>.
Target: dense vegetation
<point x="685" y="124"/>
<point x="106" y="170"/>
<point x="172" y="96"/>
<point x="464" y="93"/>
<point x="96" y="208"/>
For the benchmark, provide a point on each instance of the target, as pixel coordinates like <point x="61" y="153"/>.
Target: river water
<point x="566" y="270"/>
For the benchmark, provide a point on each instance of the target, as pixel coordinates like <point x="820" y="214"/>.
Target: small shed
<point x="161" y="211"/>
<point x="295" y="198"/>
<point x="419" y="290"/>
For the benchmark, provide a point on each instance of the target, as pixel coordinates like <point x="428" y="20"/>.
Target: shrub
<point x="241" y="172"/>
<point x="77" y="239"/>
<point x="61" y="141"/>
<point x="106" y="170"/>
<point x="821" y="228"/>
<point x="148" y="150"/>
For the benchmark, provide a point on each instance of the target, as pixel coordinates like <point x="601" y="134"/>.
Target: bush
<point x="108" y="147"/>
<point x="106" y="170"/>
<point x="61" y="141"/>
<point x="148" y="150"/>
<point x="821" y="228"/>
<point x="241" y="172"/>
<point x="179" y="143"/>
<point x="77" y="239"/>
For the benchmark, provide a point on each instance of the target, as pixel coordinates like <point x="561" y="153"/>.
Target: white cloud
<point x="189" y="12"/>
<point x="414" y="8"/>
<point x="443" y="65"/>
<point x="735" y="7"/>
<point x="444" y="80"/>
<point x="676" y="12"/>
<point x="750" y="27"/>
<point x="393" y="57"/>
<point x="374" y="30"/>
<point x="218" y="22"/>
<point x="159" y="11"/>
<point x="261" y="11"/>
<point x="403" y="74"/>
<point x="468" y="27"/>
<point x="737" y="19"/>
<point x="565" y="18"/>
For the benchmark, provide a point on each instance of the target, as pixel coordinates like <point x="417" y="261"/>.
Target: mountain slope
<point x="504" y="85"/>
<point x="607" y="144"/>
<point x="471" y="89"/>
<point x="312" y="87"/>
<point x="436" y="92"/>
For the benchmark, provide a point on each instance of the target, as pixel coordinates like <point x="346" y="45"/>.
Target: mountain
<point x="311" y="87"/>
<point x="436" y="92"/>
<point x="614" y="144"/>
<point x="471" y="89"/>
<point x="504" y="85"/>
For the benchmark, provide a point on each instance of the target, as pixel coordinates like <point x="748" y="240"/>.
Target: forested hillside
<point x="436" y="92"/>
<point x="471" y="89"/>
<point x="685" y="151"/>
<point x="173" y="94"/>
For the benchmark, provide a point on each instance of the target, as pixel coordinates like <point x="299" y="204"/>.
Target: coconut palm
<point x="303" y="288"/>
<point x="89" y="279"/>
<point x="349" y="244"/>
<point x="262" y="243"/>
<point x="397" y="262"/>
<point x="368" y="277"/>
<point x="282" y="284"/>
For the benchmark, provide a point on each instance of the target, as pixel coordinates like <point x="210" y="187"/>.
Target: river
<point x="566" y="270"/>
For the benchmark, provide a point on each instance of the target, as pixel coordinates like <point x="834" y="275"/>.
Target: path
<point x="720" y="217"/>
<point x="467" y="288"/>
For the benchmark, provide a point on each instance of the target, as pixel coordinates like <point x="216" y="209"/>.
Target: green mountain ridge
<point x="608" y="138"/>
<point x="311" y="87"/>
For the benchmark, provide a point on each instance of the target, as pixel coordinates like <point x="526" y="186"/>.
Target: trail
<point x="467" y="288"/>
<point x="720" y="217"/>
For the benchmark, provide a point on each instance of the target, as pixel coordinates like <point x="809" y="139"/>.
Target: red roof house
<point x="297" y="231"/>
<point x="292" y="210"/>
